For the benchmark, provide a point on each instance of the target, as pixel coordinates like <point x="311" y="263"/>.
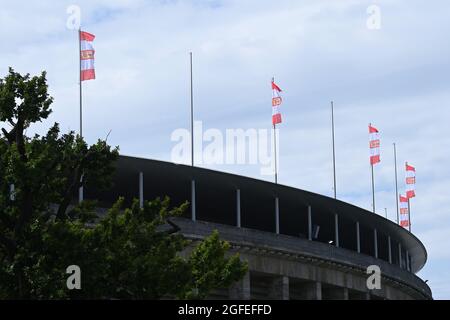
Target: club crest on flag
<point x="87" y="70"/>
<point x="276" y="102"/>
<point x="404" y="211"/>
<point x="410" y="181"/>
<point x="374" y="145"/>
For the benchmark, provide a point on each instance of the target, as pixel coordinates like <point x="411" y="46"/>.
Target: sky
<point x="388" y="67"/>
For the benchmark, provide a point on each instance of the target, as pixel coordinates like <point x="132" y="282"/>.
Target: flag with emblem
<point x="276" y="103"/>
<point x="374" y="143"/>
<point x="404" y="211"/>
<point x="87" y="70"/>
<point x="410" y="181"/>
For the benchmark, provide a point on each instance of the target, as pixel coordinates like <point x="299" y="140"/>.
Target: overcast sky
<point x="396" y="77"/>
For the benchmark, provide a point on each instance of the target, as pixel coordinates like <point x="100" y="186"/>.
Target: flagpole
<point x="79" y="71"/>
<point x="192" y="113"/>
<point x="275" y="145"/>
<point x="373" y="190"/>
<point x="396" y="182"/>
<point x="409" y="215"/>
<point x="334" y="152"/>
<point x="80" y="190"/>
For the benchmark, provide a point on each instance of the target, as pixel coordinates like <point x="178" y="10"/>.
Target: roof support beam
<point x="336" y="230"/>
<point x="375" y="242"/>
<point x="193" y="211"/>
<point x="238" y="208"/>
<point x="141" y="189"/>
<point x="358" y="238"/>
<point x="389" y="249"/>
<point x="277" y="216"/>
<point x="309" y="223"/>
<point x="407" y="261"/>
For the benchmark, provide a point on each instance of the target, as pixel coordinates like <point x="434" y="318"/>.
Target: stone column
<point x="241" y="289"/>
<point x="312" y="291"/>
<point x="279" y="288"/>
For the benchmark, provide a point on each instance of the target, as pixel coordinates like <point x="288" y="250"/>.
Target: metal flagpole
<point x="373" y="190"/>
<point x="275" y="145"/>
<point x="80" y="191"/>
<point x="192" y="114"/>
<point x="409" y="215"/>
<point x="396" y="183"/>
<point x="81" y="98"/>
<point x="334" y="153"/>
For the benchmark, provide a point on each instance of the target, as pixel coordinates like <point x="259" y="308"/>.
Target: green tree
<point x="131" y="253"/>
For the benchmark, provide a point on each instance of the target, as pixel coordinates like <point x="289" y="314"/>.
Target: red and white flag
<point x="404" y="212"/>
<point x="87" y="52"/>
<point x="374" y="143"/>
<point x="410" y="181"/>
<point x="276" y="102"/>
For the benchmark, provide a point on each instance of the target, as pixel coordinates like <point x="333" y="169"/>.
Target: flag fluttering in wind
<point x="374" y="143"/>
<point x="87" y="70"/>
<point x="404" y="212"/>
<point x="410" y="181"/>
<point x="276" y="102"/>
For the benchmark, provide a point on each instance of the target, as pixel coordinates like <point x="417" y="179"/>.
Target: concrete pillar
<point x="309" y="223"/>
<point x="279" y="290"/>
<point x="358" y="238"/>
<point x="389" y="249"/>
<point x="238" y="208"/>
<point x="336" y="230"/>
<point x="345" y="293"/>
<point x="277" y="216"/>
<point x="375" y="242"/>
<point x="193" y="211"/>
<point x="241" y="289"/>
<point x="400" y="255"/>
<point x="141" y="189"/>
<point x="312" y="291"/>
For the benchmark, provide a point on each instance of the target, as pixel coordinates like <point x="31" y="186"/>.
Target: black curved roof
<point x="216" y="200"/>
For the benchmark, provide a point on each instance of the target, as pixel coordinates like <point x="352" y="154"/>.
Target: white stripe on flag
<point x="86" y="45"/>
<point x="87" y="64"/>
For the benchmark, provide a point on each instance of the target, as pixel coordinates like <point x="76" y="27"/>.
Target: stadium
<point x="299" y="245"/>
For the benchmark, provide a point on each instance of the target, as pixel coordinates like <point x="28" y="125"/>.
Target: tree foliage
<point x="129" y="253"/>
